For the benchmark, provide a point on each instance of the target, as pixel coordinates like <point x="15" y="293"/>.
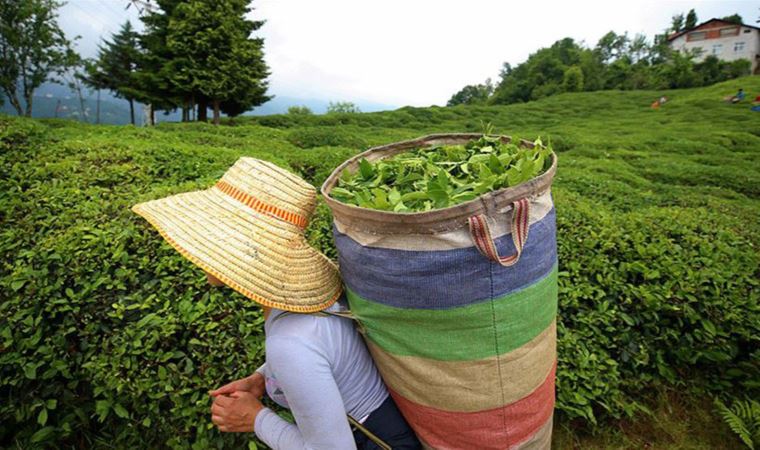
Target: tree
<point x="155" y="70"/>
<point x="215" y="55"/>
<point x="342" y="107"/>
<point x="115" y="66"/>
<point x="612" y="46"/>
<point x="679" y="71"/>
<point x="639" y="49"/>
<point x="475" y="94"/>
<point x="92" y="78"/>
<point x="573" y="79"/>
<point x="74" y="79"/>
<point x="691" y="19"/>
<point x="677" y="23"/>
<point x="543" y="73"/>
<point x="299" y="110"/>
<point x="33" y="49"/>
<point x="734" y="18"/>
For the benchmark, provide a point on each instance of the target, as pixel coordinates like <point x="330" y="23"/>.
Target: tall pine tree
<point x="116" y="65"/>
<point x="155" y="68"/>
<point x="215" y="56"/>
<point x="691" y="20"/>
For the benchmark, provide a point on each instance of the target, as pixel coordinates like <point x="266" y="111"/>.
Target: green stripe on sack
<point x="465" y="333"/>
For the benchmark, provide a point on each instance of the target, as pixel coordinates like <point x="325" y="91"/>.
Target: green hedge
<point x="108" y="338"/>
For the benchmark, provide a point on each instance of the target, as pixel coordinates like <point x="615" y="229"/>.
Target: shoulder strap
<point x="343" y="314"/>
<point x="371" y="436"/>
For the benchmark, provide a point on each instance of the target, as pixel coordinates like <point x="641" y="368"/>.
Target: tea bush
<point x="322" y="136"/>
<point x="109" y="339"/>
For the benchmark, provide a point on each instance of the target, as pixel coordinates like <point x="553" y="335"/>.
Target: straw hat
<point x="248" y="231"/>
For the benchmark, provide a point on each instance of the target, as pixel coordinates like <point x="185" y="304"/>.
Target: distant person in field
<point x="247" y="232"/>
<point x="659" y="102"/>
<point x="738" y="97"/>
<point x="756" y="104"/>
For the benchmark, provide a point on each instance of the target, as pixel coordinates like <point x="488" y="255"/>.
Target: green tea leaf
<point x="120" y="411"/>
<point x="42" y="417"/>
<point x="366" y="169"/>
<point x="439" y="176"/>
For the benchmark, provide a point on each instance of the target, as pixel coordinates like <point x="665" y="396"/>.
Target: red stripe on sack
<point x="498" y="428"/>
<point x="260" y="206"/>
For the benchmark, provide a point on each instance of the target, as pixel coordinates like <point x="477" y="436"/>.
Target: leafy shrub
<point x="342" y="108"/>
<point x="316" y="164"/>
<point x="643" y="299"/>
<point x="107" y="334"/>
<point x="299" y="110"/>
<point x="324" y="136"/>
<point x="110" y="339"/>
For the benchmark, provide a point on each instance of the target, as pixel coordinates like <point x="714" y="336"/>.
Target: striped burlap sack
<point x="458" y="307"/>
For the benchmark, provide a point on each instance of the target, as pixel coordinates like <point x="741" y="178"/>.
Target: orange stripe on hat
<point x="260" y="206"/>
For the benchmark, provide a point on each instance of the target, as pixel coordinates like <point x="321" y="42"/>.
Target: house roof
<point x="682" y="32"/>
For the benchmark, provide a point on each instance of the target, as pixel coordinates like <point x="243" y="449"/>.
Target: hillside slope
<point x="117" y="338"/>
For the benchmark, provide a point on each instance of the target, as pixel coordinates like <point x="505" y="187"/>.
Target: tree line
<point x="192" y="55"/>
<point x="618" y="61"/>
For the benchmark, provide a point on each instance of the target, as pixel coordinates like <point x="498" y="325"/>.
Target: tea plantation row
<point x="109" y="339"/>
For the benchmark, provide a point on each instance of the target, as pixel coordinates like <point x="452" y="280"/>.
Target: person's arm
<point x="304" y="376"/>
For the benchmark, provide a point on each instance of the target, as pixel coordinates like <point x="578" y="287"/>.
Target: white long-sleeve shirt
<point x="320" y="368"/>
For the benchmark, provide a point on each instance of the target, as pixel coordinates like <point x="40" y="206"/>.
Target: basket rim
<point x="437" y="220"/>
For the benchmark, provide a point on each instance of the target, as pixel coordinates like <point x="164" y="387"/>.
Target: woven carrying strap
<point x="481" y="234"/>
<point x="370" y="435"/>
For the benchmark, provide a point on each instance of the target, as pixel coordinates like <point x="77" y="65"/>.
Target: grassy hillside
<point x="108" y="338"/>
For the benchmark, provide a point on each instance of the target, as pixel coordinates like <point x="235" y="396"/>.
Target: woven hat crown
<point x="270" y="189"/>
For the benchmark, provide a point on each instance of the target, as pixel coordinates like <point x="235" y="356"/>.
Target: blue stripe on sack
<point x="443" y="279"/>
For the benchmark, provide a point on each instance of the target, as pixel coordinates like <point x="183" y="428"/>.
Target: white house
<point x="727" y="41"/>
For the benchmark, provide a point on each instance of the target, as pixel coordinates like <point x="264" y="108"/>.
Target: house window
<point x="717" y="48"/>
<point x="697" y="35"/>
<point x="747" y="30"/>
<point x="738" y="46"/>
<point x="733" y="31"/>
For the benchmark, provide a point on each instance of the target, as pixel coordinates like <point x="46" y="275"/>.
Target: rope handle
<point x="481" y="233"/>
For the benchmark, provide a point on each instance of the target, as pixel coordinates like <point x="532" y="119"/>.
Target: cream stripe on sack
<point x="501" y="225"/>
<point x="467" y="386"/>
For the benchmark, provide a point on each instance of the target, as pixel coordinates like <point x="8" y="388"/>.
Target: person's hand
<point x="253" y="384"/>
<point x="235" y="413"/>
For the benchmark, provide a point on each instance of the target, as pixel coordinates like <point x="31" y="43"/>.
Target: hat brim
<point x="258" y="255"/>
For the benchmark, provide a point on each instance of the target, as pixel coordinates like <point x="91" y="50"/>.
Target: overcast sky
<point x="411" y="52"/>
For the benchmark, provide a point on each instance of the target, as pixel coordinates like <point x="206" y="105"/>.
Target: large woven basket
<point x="458" y="306"/>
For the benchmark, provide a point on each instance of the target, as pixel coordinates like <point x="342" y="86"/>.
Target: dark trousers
<point x="387" y="423"/>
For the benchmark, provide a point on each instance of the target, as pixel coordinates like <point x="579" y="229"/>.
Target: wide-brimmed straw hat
<point x="248" y="231"/>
